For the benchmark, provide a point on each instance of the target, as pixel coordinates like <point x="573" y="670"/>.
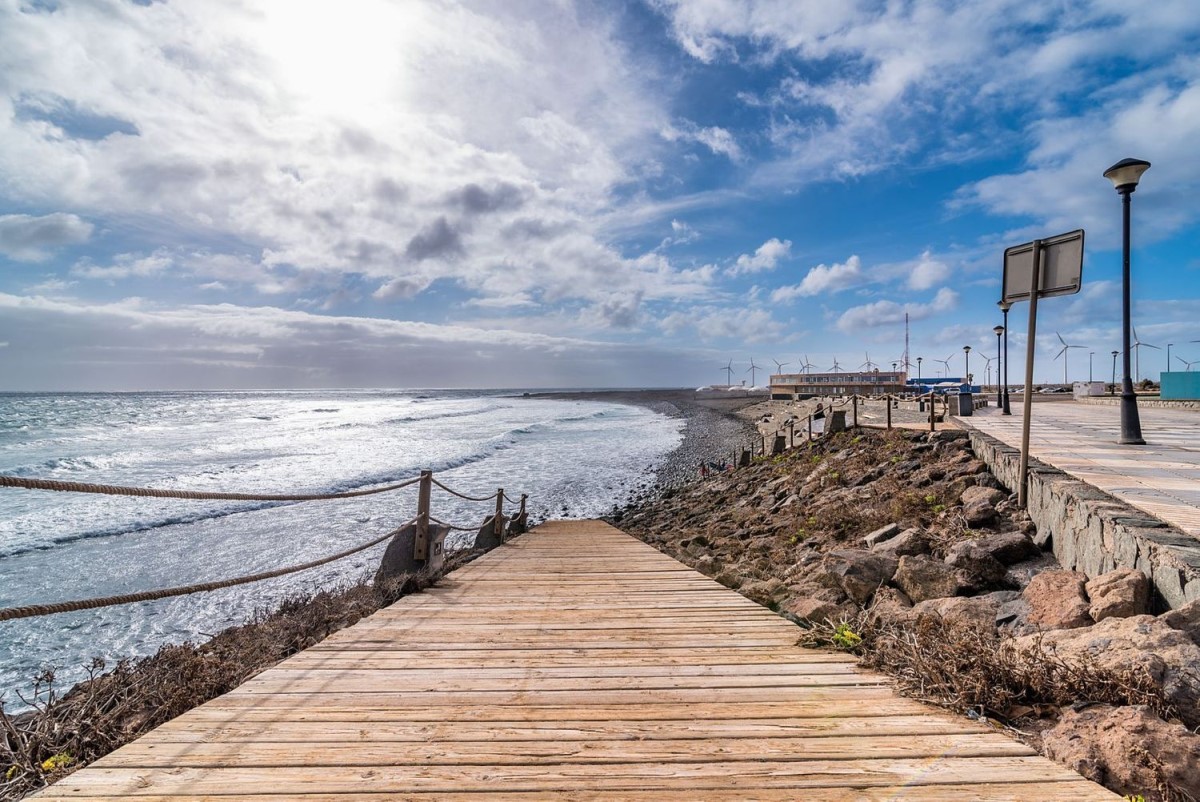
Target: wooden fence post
<point x="932" y="426"/>
<point x="498" y="520"/>
<point x="854" y="407"/>
<point x="421" y="541"/>
<point x="888" y="400"/>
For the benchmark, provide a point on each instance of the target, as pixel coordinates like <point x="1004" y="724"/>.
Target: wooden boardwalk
<point x="573" y="663"/>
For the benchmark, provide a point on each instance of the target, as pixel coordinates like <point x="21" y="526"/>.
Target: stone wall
<point x="1148" y="403"/>
<point x="1092" y="532"/>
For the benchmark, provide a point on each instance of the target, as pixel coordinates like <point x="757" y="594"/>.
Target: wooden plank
<point x="572" y="663"/>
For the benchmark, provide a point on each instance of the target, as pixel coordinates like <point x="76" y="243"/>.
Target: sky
<point x="425" y="193"/>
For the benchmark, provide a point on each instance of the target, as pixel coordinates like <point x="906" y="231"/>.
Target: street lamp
<point x="1113" y="386"/>
<point x="967" y="361"/>
<point x="919" y="369"/>
<point x="1124" y="176"/>
<point x="999" y="364"/>
<point x="1090" y="355"/>
<point x="1004" y="307"/>
<point x="1169" y="357"/>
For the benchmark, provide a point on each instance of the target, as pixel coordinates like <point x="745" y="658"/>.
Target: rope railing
<point x="32" y="610"/>
<point x="426" y="545"/>
<point x="190" y="495"/>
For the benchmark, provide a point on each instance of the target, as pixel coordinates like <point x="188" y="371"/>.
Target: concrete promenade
<point x="1161" y="478"/>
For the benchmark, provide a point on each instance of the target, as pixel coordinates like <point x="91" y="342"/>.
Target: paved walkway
<point x="574" y="663"/>
<point x="1161" y="477"/>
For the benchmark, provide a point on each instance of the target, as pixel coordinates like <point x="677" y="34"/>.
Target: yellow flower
<point x="59" y="761"/>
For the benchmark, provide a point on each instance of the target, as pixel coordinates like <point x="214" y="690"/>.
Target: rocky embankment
<point x="906" y="539"/>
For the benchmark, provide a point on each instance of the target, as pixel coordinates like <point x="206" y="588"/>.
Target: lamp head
<point x="1126" y="173"/>
<point x="967" y="348"/>
<point x="997" y="330"/>
<point x="1114" y="353"/>
<point x="1004" y="305"/>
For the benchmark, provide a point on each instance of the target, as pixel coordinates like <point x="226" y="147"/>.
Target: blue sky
<point x="430" y="193"/>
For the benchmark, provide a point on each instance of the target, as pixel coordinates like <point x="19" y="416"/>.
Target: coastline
<point x="714" y="428"/>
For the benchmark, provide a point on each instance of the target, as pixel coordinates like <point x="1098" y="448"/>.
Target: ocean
<point x="574" y="459"/>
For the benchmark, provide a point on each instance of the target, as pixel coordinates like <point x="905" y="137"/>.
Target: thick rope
<point x="455" y="526"/>
<point x="11" y="613"/>
<point x="147" y="492"/>
<point x="463" y="496"/>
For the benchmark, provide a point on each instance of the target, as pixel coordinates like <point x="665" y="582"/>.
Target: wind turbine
<point x="1063" y="352"/>
<point x="987" y="366"/>
<point x="728" y="373"/>
<point x="779" y="365"/>
<point x="868" y="364"/>
<point x="753" y="371"/>
<point x="1137" y="352"/>
<point x="946" y="362"/>
<point x="836" y="367"/>
<point x="806" y="366"/>
<point x="1187" y="365"/>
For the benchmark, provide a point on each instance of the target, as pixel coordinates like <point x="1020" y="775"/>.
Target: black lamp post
<point x="1004" y="307"/>
<point x="1124" y="176"/>
<point x="967" y="363"/>
<point x="1113" y="391"/>
<point x="919" y="369"/>
<point x="999" y="364"/>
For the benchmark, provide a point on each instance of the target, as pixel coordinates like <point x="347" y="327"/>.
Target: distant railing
<point x="416" y="544"/>
<point x="815" y="423"/>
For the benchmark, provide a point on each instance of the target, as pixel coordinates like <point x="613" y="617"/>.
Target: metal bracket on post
<point x="424" y="492"/>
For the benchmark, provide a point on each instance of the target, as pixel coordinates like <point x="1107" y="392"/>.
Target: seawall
<point x="1093" y="532"/>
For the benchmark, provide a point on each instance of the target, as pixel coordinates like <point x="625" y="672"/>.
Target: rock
<point x="1013" y="616"/>
<point x="1186" y="619"/>
<point x="729" y="578"/>
<point x="1118" y="594"/>
<point x="881" y="534"/>
<point x="979" y="504"/>
<point x="1126" y="749"/>
<point x="909" y="543"/>
<point x="1009" y="547"/>
<point x="890" y="604"/>
<point x="922" y="578"/>
<point x="1019" y="575"/>
<point x="1057" y="600"/>
<point x="816" y="610"/>
<point x="975" y="611"/>
<point x="707" y="565"/>
<point x="860" y="573"/>
<point x="762" y="592"/>
<point x="975" y="560"/>
<point x="1142" y="643"/>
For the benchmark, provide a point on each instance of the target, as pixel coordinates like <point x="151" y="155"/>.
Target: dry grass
<point x="970" y="669"/>
<point x="64" y="732"/>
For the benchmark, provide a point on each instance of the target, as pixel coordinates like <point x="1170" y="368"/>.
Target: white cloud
<point x="927" y="273"/>
<point x="890" y="313"/>
<point x="718" y="140"/>
<point x="126" y="265"/>
<point x="823" y="279"/>
<point x="765" y="258"/>
<point x="33" y="239"/>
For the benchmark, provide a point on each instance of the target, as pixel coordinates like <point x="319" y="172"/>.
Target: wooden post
<point x="421" y="541"/>
<point x="854" y="407"/>
<point x="810" y="428"/>
<point x="498" y="521"/>
<point x="792" y="433"/>
<point x="888" y="402"/>
<point x="932" y="425"/>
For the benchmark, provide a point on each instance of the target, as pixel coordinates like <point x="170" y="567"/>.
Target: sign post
<point x="1047" y="267"/>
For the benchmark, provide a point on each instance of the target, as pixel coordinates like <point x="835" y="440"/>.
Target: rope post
<point x="854" y="407"/>
<point x="498" y="521"/>
<point x="421" y="540"/>
<point x="810" y="428"/>
<point x="522" y="512"/>
<point x="932" y="426"/>
<point x="792" y="433"/>
<point x="888" y="401"/>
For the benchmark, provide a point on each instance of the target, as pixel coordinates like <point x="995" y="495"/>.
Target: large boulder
<point x="890" y="604"/>
<point x="1118" y="594"/>
<point x="1186" y="619"/>
<point x="922" y="578"/>
<point x="1019" y="575"/>
<point x="1009" y="547"/>
<point x="1142" y="643"/>
<point x="909" y="543"/>
<point x="881" y="534"/>
<point x="974" y="611"/>
<point x="976" y="561"/>
<point x="979" y="504"/>
<point x="817" y="610"/>
<point x="1127" y="749"/>
<point x="1057" y="600"/>
<point x="860" y="573"/>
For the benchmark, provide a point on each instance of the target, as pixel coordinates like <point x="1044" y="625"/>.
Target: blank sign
<point x="1062" y="267"/>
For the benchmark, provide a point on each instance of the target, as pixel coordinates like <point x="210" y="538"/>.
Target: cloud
<point x="33" y="239"/>
<point x="711" y="324"/>
<point x="718" y="140"/>
<point x="927" y="272"/>
<point x="890" y="313"/>
<point x="823" y="279"/>
<point x="765" y="258"/>
<point x="126" y="265"/>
